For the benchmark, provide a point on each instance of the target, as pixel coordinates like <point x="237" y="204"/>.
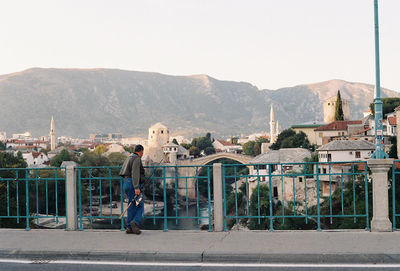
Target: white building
<point x="345" y="150"/>
<point x="3" y="136"/>
<point x="24" y="136"/>
<point x="158" y="137"/>
<point x="226" y="146"/>
<point x="26" y="144"/>
<point x="174" y="152"/>
<point x="35" y="159"/>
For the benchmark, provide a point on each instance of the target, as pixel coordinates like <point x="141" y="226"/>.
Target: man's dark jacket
<point x="133" y="168"/>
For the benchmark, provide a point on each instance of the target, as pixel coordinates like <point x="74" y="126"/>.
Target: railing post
<point x="71" y="208"/>
<point x="380" y="217"/>
<point x="218" y="197"/>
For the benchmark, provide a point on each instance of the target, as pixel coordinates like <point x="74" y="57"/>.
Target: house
<point x="336" y="130"/>
<point x="226" y="146"/>
<point x="309" y="130"/>
<point x="274" y="164"/>
<point x="340" y="151"/>
<point x="173" y="152"/>
<point x="19" y="144"/>
<point x="36" y="159"/>
<point x="3" y="136"/>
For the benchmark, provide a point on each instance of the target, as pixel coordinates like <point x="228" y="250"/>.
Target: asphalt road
<point x="51" y="266"/>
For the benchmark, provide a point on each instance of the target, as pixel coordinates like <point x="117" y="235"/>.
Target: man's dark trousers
<point x="135" y="212"/>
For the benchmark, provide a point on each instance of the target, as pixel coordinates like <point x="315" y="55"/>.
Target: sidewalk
<point x="191" y="246"/>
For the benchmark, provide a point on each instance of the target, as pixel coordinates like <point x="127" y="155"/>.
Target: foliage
<point x="100" y="149"/>
<point x="175" y="141"/>
<point x="388" y="105"/>
<point x="93" y="159"/>
<point x="129" y="149"/>
<point x="253" y="148"/>
<point x="116" y="159"/>
<point x="57" y="160"/>
<point x="199" y="144"/>
<point x="339" y="108"/>
<point x="2" y="146"/>
<point x="234" y="140"/>
<point x="8" y="160"/>
<point x="290" y="139"/>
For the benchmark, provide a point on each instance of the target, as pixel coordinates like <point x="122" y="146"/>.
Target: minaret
<point x="52" y="134"/>
<point x="272" y="126"/>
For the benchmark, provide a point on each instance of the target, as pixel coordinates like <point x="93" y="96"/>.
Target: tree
<point x="195" y="151"/>
<point x="129" y="149"/>
<point x="2" y="146"/>
<point x="202" y="143"/>
<point x="388" y="105"/>
<point x="100" y="149"/>
<point x="209" y="150"/>
<point x="290" y="139"/>
<point x="393" y="150"/>
<point x="57" y="160"/>
<point x="116" y="158"/>
<point x="248" y="148"/>
<point x="175" y="141"/>
<point x="339" y="108"/>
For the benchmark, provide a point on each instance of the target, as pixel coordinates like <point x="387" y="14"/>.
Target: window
<point x="329" y="157"/>
<point x="162" y="131"/>
<point x="262" y="167"/>
<point x="324" y="170"/>
<point x="358" y="154"/>
<point x="300" y="179"/>
<point x="154" y="132"/>
<point x="320" y="134"/>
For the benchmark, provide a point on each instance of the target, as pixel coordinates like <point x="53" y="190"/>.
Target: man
<point x="133" y="172"/>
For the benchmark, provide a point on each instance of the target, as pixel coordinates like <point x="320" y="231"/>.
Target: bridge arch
<point x="243" y="159"/>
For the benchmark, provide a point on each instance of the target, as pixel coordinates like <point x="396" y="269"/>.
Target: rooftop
<point x="289" y="155"/>
<point x="341" y="145"/>
<point x="338" y="125"/>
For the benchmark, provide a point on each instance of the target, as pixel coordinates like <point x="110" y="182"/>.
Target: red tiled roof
<point x="363" y="131"/>
<point x="392" y="120"/>
<point x="35" y="154"/>
<point x="225" y="143"/>
<point x="338" y="125"/>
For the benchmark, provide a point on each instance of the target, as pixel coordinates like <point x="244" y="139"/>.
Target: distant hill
<point x="87" y="101"/>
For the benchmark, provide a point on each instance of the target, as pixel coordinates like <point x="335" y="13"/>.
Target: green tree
<point x="57" y="160"/>
<point x="393" y="150"/>
<point x="129" y="149"/>
<point x="2" y="146"/>
<point x="175" y="141"/>
<point x="339" y="108"/>
<point x="248" y="148"/>
<point x="209" y="150"/>
<point x="290" y="139"/>
<point x="388" y="105"/>
<point x="116" y="158"/>
<point x="100" y="149"/>
<point x="93" y="159"/>
<point x="195" y="151"/>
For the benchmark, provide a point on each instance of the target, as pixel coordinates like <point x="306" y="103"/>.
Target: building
<point x="330" y="109"/>
<point x="335" y="130"/>
<point x="36" y="159"/>
<point x="18" y="144"/>
<point x="24" y="136"/>
<point x="308" y="129"/>
<point x="340" y="151"/>
<point x="174" y="152"/>
<point x="226" y="146"/>
<point x="158" y="137"/>
<point x="3" y="136"/>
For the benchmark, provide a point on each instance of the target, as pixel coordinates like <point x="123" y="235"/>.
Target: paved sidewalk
<point x="191" y="246"/>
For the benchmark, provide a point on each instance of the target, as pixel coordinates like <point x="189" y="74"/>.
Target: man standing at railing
<point x="133" y="172"/>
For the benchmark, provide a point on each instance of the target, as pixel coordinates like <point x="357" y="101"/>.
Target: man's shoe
<point x="129" y="231"/>
<point x="135" y="228"/>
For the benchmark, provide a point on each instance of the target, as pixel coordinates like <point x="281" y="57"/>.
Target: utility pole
<point x="379" y="151"/>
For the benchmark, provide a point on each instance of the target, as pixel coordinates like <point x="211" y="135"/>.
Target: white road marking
<point x="304" y="265"/>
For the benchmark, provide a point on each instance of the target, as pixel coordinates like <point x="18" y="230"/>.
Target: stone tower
<point x="272" y="126"/>
<point x="52" y="134"/>
<point x="158" y="137"/>
<point x="330" y="108"/>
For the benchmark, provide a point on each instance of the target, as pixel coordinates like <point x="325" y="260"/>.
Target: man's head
<point x="139" y="150"/>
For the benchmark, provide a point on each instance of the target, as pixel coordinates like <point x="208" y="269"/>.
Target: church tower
<point x="272" y="126"/>
<point x="52" y="134"/>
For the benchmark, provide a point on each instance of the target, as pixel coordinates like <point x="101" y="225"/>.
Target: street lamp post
<point x="379" y="151"/>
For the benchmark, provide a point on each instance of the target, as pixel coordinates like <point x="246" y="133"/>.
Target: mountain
<point x="87" y="101"/>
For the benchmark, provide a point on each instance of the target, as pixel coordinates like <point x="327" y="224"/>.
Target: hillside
<point x="87" y="101"/>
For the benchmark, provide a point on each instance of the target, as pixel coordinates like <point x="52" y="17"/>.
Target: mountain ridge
<point x="101" y="100"/>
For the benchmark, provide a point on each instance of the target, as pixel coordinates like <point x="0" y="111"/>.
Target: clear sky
<point x="269" y="43"/>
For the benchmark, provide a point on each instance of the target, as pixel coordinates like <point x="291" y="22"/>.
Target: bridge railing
<point x="395" y="187"/>
<point x="31" y="195"/>
<point x="172" y="194"/>
<point x="297" y="195"/>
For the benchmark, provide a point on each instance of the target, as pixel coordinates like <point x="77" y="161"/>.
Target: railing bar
<point x="330" y="192"/>
<point x="271" y="225"/>
<point x="209" y="200"/>
<point x="198" y="195"/>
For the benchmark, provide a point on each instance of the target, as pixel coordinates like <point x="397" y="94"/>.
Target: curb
<point x="205" y="257"/>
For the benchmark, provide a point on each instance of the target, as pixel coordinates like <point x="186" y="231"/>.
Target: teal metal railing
<point x="297" y="195"/>
<point x="169" y="192"/>
<point x="395" y="187"/>
<point x="32" y="193"/>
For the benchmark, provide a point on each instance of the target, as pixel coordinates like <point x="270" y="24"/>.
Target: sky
<point x="268" y="43"/>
